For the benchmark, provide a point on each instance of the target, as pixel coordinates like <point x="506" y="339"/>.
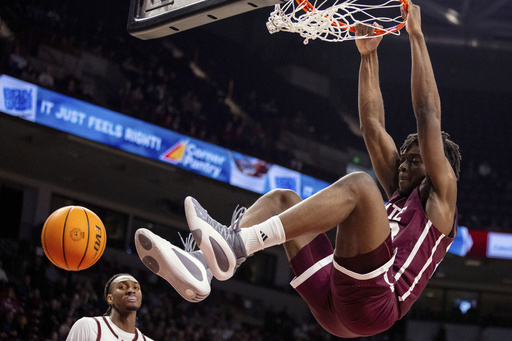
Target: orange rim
<point x="308" y="7"/>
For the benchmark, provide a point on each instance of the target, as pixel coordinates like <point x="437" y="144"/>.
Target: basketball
<point x="73" y="238"/>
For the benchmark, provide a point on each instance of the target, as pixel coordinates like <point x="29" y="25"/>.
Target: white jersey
<point x="101" y="328"/>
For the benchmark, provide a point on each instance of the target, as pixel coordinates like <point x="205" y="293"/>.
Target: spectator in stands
<point x="46" y="78"/>
<point x="8" y="326"/>
<point x="3" y="275"/>
<point x="17" y="62"/>
<point x="9" y="300"/>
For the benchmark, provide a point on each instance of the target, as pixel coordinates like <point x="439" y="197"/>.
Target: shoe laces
<point x="229" y="232"/>
<point x="189" y="244"/>
<point x="238" y="213"/>
<point x="236" y="218"/>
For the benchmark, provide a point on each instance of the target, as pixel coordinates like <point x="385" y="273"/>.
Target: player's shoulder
<point x="86" y="321"/>
<point x="83" y="329"/>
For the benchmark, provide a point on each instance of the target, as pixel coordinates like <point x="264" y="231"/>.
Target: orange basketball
<point x="73" y="238"/>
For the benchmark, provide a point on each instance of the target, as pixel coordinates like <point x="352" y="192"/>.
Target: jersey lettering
<point x="395" y="214"/>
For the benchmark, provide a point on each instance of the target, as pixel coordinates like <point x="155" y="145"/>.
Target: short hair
<point x="108" y="290"/>
<point x="451" y="150"/>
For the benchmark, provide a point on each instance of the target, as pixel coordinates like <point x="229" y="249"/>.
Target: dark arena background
<point x="270" y="101"/>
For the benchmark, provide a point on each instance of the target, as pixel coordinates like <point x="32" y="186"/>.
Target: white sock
<point x="264" y="235"/>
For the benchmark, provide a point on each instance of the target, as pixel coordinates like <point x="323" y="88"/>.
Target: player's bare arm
<point x="380" y="146"/>
<point x="441" y="200"/>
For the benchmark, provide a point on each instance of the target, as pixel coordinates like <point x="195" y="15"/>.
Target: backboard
<point x="150" y="19"/>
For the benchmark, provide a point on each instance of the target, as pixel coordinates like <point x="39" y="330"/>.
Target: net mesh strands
<point x="335" y="21"/>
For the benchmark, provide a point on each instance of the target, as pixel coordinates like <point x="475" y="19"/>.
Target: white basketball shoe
<point x="186" y="270"/>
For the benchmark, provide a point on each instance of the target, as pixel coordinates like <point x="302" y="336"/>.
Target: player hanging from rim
<point x="124" y="298"/>
<point x="384" y="254"/>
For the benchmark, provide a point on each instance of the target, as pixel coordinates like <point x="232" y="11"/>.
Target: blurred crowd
<point x="183" y="88"/>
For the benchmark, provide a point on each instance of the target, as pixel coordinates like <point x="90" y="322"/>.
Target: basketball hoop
<point x="336" y="22"/>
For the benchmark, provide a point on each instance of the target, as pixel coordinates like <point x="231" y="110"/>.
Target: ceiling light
<point x="452" y="16"/>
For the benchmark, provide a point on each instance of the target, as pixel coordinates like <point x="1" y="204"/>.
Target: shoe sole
<point x="184" y="272"/>
<point x="217" y="252"/>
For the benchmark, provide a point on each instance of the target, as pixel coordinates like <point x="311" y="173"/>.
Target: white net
<point x="335" y="22"/>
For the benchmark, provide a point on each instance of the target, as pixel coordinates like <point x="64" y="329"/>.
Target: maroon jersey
<point x="350" y="304"/>
<point x="420" y="247"/>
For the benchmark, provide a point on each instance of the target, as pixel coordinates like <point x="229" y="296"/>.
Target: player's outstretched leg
<point x="222" y="246"/>
<point x="185" y="270"/>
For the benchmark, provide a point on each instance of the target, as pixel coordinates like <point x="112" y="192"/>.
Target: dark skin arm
<point x="438" y="190"/>
<point x="381" y="147"/>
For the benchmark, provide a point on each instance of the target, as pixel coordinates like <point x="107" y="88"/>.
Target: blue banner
<point x="98" y="124"/>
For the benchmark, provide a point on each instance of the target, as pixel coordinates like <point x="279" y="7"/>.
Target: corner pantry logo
<point x="188" y="155"/>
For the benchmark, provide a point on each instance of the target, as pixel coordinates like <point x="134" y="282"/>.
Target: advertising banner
<point x="104" y="126"/>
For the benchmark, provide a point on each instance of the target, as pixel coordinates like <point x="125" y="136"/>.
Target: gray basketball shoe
<point x="186" y="270"/>
<point x="222" y="246"/>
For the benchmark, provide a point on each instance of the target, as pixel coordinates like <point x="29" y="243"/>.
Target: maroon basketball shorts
<point x="344" y="303"/>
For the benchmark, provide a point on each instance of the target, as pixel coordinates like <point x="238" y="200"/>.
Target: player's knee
<point x="364" y="180"/>
<point x="358" y="184"/>
<point x="283" y="199"/>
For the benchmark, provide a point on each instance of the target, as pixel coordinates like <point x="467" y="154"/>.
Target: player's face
<point x="411" y="170"/>
<point x="126" y="296"/>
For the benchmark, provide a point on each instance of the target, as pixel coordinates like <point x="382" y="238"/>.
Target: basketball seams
<point x="64" y="236"/>
<point x="88" y="237"/>
<point x="104" y="240"/>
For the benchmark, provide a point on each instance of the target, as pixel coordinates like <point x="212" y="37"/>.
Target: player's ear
<point x="110" y="299"/>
